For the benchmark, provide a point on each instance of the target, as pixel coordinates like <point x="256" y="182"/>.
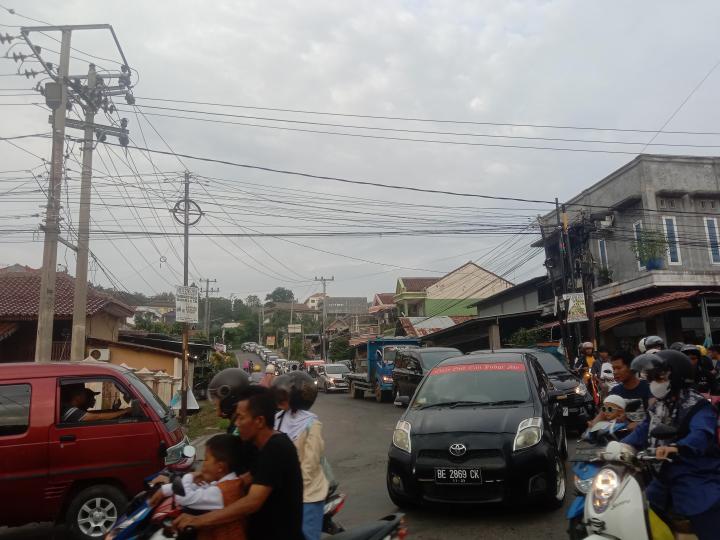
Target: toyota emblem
<point x="458" y="449"/>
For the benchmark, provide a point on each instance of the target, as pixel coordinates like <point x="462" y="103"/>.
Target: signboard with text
<point x="270" y="341"/>
<point x="186" y="304"/>
<point x="294" y="328"/>
<point x="576" y="310"/>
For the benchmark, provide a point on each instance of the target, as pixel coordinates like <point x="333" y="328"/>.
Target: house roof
<point x="385" y="298"/>
<point x="20" y="296"/>
<point x="422" y="326"/>
<point x="531" y="283"/>
<point x="418" y="284"/>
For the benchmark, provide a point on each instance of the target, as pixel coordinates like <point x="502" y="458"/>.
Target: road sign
<point x="294" y="328"/>
<point x="576" y="310"/>
<point x="186" y="304"/>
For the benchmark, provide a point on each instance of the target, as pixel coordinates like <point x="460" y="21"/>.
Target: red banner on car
<point x="468" y="368"/>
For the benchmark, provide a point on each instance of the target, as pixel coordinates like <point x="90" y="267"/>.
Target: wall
<point x="103" y="326"/>
<point x="525" y="300"/>
<point x="446" y="306"/>
<point x="142" y="359"/>
<point x="467" y="282"/>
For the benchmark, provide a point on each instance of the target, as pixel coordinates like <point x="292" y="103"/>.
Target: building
<point x="452" y="294"/>
<point x="384" y="311"/>
<point x="315" y="300"/>
<point x="423" y="326"/>
<point x="339" y="306"/>
<point x="19" y="305"/>
<point x="648" y="232"/>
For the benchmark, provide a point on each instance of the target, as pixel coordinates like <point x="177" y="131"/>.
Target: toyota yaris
<point x="480" y="428"/>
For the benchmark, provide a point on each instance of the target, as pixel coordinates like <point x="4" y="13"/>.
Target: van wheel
<point x="94" y="511"/>
<point x="357" y="394"/>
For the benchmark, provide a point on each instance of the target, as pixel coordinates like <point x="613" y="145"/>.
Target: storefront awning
<point x="644" y="309"/>
<point x="7" y="329"/>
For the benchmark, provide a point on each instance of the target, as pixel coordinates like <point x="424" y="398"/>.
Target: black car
<point x="480" y="428"/>
<point x="411" y="365"/>
<point x="575" y="401"/>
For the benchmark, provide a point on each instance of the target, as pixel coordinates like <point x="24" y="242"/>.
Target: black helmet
<point x="654" y="342"/>
<point x="670" y="362"/>
<point x="228" y="388"/>
<point x="299" y="389"/>
<point x="691" y="349"/>
<point x="677" y="346"/>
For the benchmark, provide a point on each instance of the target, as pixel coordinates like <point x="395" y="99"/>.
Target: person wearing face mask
<point x="690" y="482"/>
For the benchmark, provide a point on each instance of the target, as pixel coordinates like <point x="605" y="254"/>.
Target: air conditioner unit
<point x="104" y="354"/>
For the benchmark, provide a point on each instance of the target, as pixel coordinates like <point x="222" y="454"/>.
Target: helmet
<point x="677" y="346"/>
<point x="691" y="349"/>
<point x="654" y="342"/>
<point x="228" y="388"/>
<point x="269" y="368"/>
<point x="641" y="345"/>
<point x="587" y="345"/>
<point x="299" y="387"/>
<point x="671" y="362"/>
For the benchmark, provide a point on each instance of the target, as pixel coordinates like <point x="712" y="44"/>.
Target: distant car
<point x="331" y="378"/>
<point x="412" y="364"/>
<point x="575" y="401"/>
<point x="481" y="428"/>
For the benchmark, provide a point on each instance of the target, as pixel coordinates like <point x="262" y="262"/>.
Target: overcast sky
<point x="595" y="64"/>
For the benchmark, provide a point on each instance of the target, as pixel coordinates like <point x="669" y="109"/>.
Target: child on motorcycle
<point x="690" y="482"/>
<point x="215" y="486"/>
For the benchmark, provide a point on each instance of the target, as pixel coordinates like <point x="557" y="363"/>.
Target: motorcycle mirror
<point x="662" y="431"/>
<point x="177" y="486"/>
<point x="189" y="451"/>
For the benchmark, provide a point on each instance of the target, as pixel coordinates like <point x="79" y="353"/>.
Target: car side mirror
<point x="663" y="432"/>
<point x="402" y="401"/>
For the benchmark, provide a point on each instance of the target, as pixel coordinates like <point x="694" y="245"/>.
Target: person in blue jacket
<point x="690" y="483"/>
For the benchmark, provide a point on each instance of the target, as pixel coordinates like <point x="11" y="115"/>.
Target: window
<point x="711" y="229"/>
<point x="637" y="229"/>
<point x="602" y="250"/>
<point x="93" y="400"/>
<point x="14" y="409"/>
<point x="672" y="239"/>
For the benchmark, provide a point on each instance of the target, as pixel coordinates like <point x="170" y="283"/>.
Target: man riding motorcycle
<point x="690" y="483"/>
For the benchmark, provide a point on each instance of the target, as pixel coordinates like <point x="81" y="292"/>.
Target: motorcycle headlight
<point x="401" y="436"/>
<point x="386" y="379"/>
<point x="583" y="486"/>
<point x="581" y="390"/>
<point x="529" y="433"/>
<point x="604" y="487"/>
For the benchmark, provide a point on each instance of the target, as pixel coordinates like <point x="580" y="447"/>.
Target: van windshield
<point x="158" y="406"/>
<point x="474" y="384"/>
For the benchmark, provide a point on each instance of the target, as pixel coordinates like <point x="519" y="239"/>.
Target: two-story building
<point x="671" y="206"/>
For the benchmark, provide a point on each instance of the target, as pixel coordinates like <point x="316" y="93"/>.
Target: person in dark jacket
<point x="690" y="483"/>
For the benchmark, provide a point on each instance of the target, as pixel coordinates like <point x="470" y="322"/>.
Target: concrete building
<point x="677" y="198"/>
<point x="338" y="306"/>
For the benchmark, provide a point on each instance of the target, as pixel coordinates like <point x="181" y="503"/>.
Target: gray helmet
<point x="654" y="342"/>
<point x="228" y="388"/>
<point x="677" y="346"/>
<point x="691" y="349"/>
<point x="298" y="388"/>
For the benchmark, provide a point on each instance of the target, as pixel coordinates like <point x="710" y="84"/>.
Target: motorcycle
<point x="334" y="502"/>
<point x="390" y="527"/>
<point x="616" y="501"/>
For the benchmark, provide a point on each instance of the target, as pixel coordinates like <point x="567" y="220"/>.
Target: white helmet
<point x="641" y="345"/>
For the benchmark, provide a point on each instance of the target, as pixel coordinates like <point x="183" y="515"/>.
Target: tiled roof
<point x="418" y="284"/>
<point x="422" y="326"/>
<point x="20" y="294"/>
<point x="386" y="297"/>
<point x="668" y="297"/>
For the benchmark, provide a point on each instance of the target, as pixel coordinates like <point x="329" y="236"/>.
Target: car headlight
<point x="581" y="390"/>
<point x="529" y="433"/>
<point x="401" y="436"/>
<point x="330" y="382"/>
<point x="604" y="487"/>
<point x="583" y="486"/>
<point x="386" y="379"/>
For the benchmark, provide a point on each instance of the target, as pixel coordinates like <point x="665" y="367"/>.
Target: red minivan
<point x="63" y="466"/>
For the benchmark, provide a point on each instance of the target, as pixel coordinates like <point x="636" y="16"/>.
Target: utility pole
<point x="77" y="349"/>
<point x="567" y="341"/>
<point x="323" y="337"/>
<point x="571" y="270"/>
<point x="46" y="308"/>
<point x="292" y="304"/>
<point x="207" y="291"/>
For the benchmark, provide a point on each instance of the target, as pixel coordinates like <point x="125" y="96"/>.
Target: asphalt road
<point x="357" y="435"/>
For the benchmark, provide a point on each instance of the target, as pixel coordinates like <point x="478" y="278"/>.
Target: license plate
<point x="566" y="411"/>
<point x="457" y="476"/>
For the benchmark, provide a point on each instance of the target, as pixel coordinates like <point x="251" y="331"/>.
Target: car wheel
<point x="555" y="496"/>
<point x="562" y="443"/>
<point x="94" y="511"/>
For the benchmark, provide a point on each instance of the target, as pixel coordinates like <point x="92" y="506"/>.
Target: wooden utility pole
<point x="46" y="309"/>
<point x="77" y="348"/>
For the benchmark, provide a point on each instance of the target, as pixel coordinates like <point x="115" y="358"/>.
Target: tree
<point x="280" y="294"/>
<point x="252" y="301"/>
<point x="340" y="349"/>
<point x="297" y="348"/>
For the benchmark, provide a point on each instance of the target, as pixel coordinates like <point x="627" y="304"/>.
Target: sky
<point x="495" y="68"/>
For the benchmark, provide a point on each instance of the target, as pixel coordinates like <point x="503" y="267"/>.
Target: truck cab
<point x="375" y="374"/>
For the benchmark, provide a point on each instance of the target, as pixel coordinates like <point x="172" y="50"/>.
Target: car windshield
<point x="492" y="383"/>
<point x="431" y="359"/>
<point x="549" y="363"/>
<point x="336" y="370"/>
<point x="158" y="406"/>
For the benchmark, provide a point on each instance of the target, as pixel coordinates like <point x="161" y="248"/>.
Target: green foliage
<point x="650" y="245"/>
<point x="340" y="349"/>
<point x="527" y="337"/>
<point x="297" y="348"/>
<point x="143" y="321"/>
<point x="280" y="294"/>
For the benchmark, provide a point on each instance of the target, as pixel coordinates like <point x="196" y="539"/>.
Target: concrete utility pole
<point x="77" y="349"/>
<point x="323" y="337"/>
<point x="207" y="291"/>
<point x="46" y="309"/>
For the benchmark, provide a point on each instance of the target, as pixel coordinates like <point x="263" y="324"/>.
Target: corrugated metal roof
<point x="668" y="297"/>
<point x="422" y="326"/>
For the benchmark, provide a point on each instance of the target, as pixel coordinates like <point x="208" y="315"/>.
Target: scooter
<point x="334" y="502"/>
<point x="616" y="507"/>
<point x="390" y="527"/>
